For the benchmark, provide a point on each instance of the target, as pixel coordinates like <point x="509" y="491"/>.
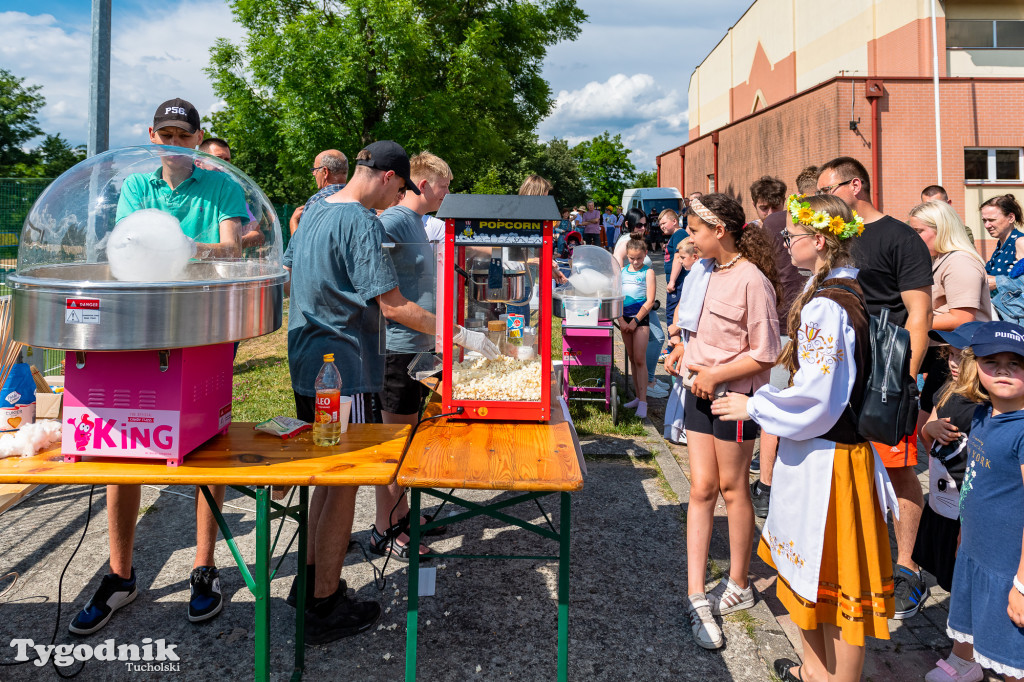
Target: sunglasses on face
<point x="833" y="188"/>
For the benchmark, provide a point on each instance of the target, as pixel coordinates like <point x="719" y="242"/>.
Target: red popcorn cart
<point x="496" y="278"/>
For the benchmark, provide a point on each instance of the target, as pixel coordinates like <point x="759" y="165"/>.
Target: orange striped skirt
<point x="855" y="589"/>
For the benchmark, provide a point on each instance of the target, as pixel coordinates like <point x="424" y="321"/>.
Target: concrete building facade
<point x="798" y="82"/>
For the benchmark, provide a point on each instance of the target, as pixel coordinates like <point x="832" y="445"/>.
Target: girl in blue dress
<point x="1002" y="219"/>
<point x="986" y="605"/>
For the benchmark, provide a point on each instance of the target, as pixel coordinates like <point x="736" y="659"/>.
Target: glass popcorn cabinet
<point x="495" y="278"/>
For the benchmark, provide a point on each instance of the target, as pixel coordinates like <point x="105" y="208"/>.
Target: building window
<point x="993" y="164"/>
<point x="984" y="34"/>
<point x="711" y="183"/>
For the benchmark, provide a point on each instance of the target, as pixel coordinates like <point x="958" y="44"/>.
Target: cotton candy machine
<point x="594" y="289"/>
<point x="147" y="286"/>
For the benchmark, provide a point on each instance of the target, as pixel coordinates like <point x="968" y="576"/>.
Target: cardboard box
<point x="51" y="405"/>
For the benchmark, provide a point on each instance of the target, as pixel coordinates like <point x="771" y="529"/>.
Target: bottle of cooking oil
<point x="327" y="424"/>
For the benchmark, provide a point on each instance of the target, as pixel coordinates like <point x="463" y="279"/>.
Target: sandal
<point x="387" y="544"/>
<point x="433" y="532"/>
<point x="784" y="669"/>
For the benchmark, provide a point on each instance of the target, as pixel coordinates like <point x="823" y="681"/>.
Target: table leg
<point x="414" y="585"/>
<point x="262" y="583"/>
<point x="563" y="591"/>
<point x="300" y="580"/>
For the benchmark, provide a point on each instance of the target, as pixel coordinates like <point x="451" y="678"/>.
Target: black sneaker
<point x="206" y="600"/>
<point x="909" y="592"/>
<point x="755" y="463"/>
<point x="339" y="616"/>
<point x="761" y="496"/>
<point x="293" y="593"/>
<point x="115" y="592"/>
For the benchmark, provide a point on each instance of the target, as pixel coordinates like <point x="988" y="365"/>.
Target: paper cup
<point x="344" y="408"/>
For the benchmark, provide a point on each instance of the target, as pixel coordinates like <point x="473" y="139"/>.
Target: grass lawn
<point x="262" y="386"/>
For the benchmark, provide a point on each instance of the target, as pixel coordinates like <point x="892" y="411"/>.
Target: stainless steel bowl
<point x="516" y="289"/>
<point x="609" y="309"/>
<point x="213" y="303"/>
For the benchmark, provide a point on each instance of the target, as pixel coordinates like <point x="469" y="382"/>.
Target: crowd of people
<point x="768" y="325"/>
<point x="771" y="339"/>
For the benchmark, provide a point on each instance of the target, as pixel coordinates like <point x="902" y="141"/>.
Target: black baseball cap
<point x="958" y="338"/>
<point x="998" y="337"/>
<point x="177" y="113"/>
<point x="386" y="155"/>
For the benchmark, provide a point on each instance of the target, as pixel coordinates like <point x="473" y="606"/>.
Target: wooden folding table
<point x="368" y="454"/>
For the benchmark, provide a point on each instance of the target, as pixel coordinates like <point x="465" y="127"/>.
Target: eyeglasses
<point x="832" y="188"/>
<point x="788" y="238"/>
<point x="314" y="169"/>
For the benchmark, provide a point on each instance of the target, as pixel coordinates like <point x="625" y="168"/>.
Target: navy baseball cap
<point x="998" y="337"/>
<point x="386" y="155"/>
<point x="960" y="337"/>
<point x="177" y="113"/>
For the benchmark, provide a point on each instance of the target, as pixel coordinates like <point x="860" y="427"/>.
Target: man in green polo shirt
<point x="209" y="205"/>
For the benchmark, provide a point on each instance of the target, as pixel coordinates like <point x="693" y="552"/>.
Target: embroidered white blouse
<point x="799" y="415"/>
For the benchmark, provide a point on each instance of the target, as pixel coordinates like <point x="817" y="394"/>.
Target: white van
<point x="657" y="198"/>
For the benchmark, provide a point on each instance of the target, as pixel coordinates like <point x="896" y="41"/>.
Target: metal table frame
<point x="259" y="583"/>
<point x="492" y="510"/>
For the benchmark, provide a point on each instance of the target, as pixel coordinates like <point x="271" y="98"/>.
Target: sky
<point x="627" y="72"/>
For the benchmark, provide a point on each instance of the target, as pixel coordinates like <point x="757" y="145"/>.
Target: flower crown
<point x="803" y="214"/>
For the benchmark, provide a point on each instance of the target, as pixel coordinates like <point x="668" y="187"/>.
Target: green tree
<point x="19" y="105"/>
<point x="53" y="156"/>
<point x="647" y="178"/>
<point x="605" y="167"/>
<point x="462" y="79"/>
<point x="556" y="162"/>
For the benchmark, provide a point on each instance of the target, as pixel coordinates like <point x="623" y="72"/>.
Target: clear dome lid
<point x="116" y="217"/>
<point x="593" y="273"/>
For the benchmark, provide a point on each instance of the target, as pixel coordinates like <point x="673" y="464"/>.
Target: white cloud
<point x="156" y="54"/>
<point x="650" y="118"/>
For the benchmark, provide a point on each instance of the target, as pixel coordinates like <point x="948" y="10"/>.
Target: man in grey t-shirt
<point x="342" y="282"/>
<point x="401" y="399"/>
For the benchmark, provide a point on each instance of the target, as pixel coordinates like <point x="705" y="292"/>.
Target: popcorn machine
<point x="495" y="278"/>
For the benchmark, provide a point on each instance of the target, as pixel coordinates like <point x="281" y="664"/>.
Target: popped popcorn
<point x="503" y="378"/>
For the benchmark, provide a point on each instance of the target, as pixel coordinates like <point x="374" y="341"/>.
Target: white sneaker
<point x="662" y="384"/>
<point x="727" y="597"/>
<point x="655" y="391"/>
<point x="705" y="629"/>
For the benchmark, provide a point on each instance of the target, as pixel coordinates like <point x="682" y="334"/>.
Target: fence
<point x="16" y="198"/>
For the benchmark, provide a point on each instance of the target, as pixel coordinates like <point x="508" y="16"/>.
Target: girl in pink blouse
<point x="734" y="349"/>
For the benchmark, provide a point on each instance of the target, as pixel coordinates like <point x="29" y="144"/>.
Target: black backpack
<point x="889" y="411"/>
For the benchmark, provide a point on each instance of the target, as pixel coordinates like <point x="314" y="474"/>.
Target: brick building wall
<point x="814" y="126"/>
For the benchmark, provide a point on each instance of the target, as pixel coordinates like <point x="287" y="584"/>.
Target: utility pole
<point x="99" y="79"/>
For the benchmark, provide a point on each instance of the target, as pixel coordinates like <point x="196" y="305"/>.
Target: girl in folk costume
<point x="735" y="345"/>
<point x="826" y="531"/>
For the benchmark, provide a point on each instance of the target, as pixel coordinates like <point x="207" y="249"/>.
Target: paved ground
<point x="488" y="620"/>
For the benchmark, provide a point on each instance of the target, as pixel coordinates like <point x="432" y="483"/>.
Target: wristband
<point x="1017" y="584"/>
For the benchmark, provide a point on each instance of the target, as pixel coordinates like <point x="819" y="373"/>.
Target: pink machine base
<point x="145" y="404"/>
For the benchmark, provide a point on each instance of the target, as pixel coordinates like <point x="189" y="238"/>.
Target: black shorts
<point x="697" y="418"/>
<point x="401" y="393"/>
<point x="365" y="408"/>
<point x="645" y="322"/>
<point x="936" y="546"/>
<point x="591" y="238"/>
